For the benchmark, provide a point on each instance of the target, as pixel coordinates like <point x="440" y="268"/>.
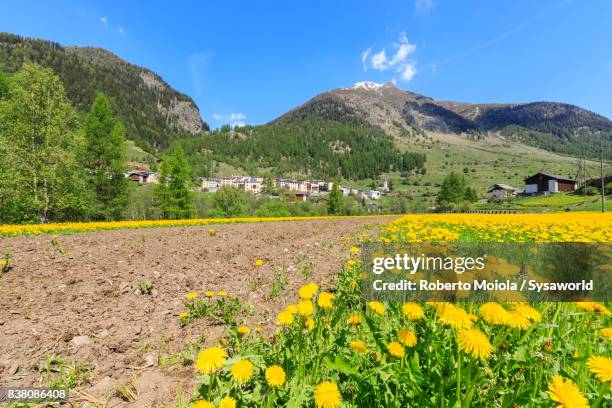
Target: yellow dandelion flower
<point x="227" y="402"/>
<point x="327" y="395"/>
<point x="222" y="293"/>
<point x="2" y="262"/>
<point x="305" y="308"/>
<point x="359" y="346"/>
<point x="377" y="307"/>
<point x="454" y="317"/>
<point x="184" y="315"/>
<point x="258" y="329"/>
<point x="202" y="404"/>
<point x="517" y="321"/>
<point x="242" y="370"/>
<point x="602" y="368"/>
<point x="308" y="291"/>
<point x="413" y="311"/>
<point x="528" y="312"/>
<point x="355" y="250"/>
<point x="493" y="313"/>
<point x="325" y="300"/>
<point x="259" y="262"/>
<point x="243" y="330"/>
<point x="599" y="308"/>
<point x="291" y="309"/>
<point x="275" y="376"/>
<point x="309" y="323"/>
<point x="396" y="349"/>
<point x="587" y="306"/>
<point x="209" y="293"/>
<point x="284" y="318"/>
<point x="351" y="262"/>
<point x="474" y="342"/>
<point x="607" y="332"/>
<point x="566" y="393"/>
<point x="210" y="359"/>
<point x="191" y="295"/>
<point x="354" y="319"/>
<point x="593" y="307"/>
<point x="407" y="337"/>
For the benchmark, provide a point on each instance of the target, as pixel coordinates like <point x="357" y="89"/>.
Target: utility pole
<point x="603" y="193"/>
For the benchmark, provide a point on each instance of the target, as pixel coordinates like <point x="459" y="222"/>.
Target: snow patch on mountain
<point x="367" y="85"/>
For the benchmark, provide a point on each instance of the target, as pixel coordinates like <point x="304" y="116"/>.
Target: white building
<point x="374" y="194"/>
<point x="502" y="190"/>
<point x="142" y="176"/>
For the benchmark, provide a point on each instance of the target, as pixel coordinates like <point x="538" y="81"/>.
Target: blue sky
<point x="249" y="62"/>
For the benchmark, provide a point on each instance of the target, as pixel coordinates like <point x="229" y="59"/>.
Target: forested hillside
<point x="583" y="143"/>
<point x="152" y="112"/>
<point x="321" y="148"/>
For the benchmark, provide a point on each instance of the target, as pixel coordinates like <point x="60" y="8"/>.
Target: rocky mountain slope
<point x="559" y="127"/>
<point x="151" y="110"/>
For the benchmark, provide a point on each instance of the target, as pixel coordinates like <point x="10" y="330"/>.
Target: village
<point x="541" y="183"/>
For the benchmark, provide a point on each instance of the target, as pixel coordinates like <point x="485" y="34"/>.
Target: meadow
<point x="76" y="227"/>
<point x="330" y="349"/>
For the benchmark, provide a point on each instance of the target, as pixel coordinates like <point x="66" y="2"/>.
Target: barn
<point x="543" y="183"/>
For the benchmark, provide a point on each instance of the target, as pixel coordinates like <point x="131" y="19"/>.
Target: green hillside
<point x="152" y="112"/>
<point x="318" y="148"/>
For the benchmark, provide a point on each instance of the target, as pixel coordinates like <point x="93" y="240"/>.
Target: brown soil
<point x="76" y="296"/>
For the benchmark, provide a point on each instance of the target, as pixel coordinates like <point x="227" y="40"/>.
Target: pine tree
<point x="161" y="193"/>
<point x="452" y="191"/>
<point x="334" y="204"/>
<point x="104" y="158"/>
<point x="172" y="193"/>
<point x="179" y="185"/>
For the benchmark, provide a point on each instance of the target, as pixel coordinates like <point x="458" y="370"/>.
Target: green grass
<point x="554" y="200"/>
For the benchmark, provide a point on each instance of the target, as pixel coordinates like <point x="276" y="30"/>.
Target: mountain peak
<point x="367" y="85"/>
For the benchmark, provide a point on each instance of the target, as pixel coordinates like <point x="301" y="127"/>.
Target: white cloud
<point x="104" y="21"/>
<point x="404" y="50"/>
<point x="364" y="58"/>
<point x="407" y="72"/>
<point x="120" y="30"/>
<point x="399" y="62"/>
<point x="379" y="61"/>
<point x="233" y="119"/>
<point x="423" y="5"/>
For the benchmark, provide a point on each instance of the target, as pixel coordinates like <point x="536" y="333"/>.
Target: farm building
<point x="301" y="196"/>
<point x="142" y="176"/>
<point x="502" y="190"/>
<point x="545" y="183"/>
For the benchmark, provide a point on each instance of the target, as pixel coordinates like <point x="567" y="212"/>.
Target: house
<point x="546" y="183"/>
<point x="325" y="186"/>
<point x="287" y="184"/>
<point x="346" y="191"/>
<point x="251" y="184"/>
<point x="210" y="184"/>
<point x="374" y="194"/>
<point x="142" y="176"/>
<point x="305" y="186"/>
<point x="502" y="190"/>
<point x="301" y="196"/>
<point x="245" y="183"/>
